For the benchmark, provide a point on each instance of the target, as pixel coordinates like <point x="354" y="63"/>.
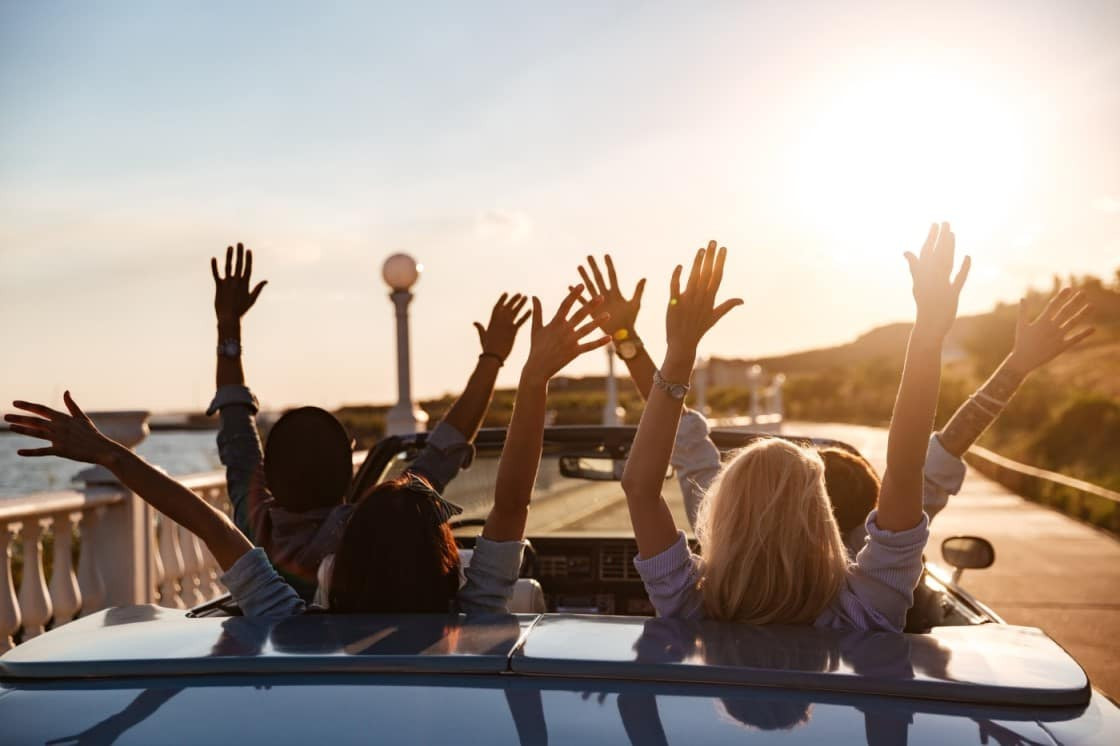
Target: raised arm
<point x="75" y="437"/>
<point x="232" y="299"/>
<point x="621" y="319"/>
<point x="1037" y="343"/>
<point x="936" y="293"/>
<point x="239" y="444"/>
<point x="695" y="458"/>
<point x="553" y="346"/>
<point x="690" y="315"/>
<point x="497" y="339"/>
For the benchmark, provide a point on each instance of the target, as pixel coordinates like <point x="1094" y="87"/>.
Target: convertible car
<point x="579" y="659"/>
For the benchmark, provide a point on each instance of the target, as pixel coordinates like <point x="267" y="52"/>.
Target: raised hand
<point x="935" y="292"/>
<point x="498" y="336"/>
<point x="692" y="312"/>
<point x="1052" y="333"/>
<point x="232" y="296"/>
<point x="622" y="312"/>
<point x="72" y="436"/>
<point x="558" y="342"/>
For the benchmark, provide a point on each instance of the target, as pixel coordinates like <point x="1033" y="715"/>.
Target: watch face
<point x="626" y="350"/>
<point x="677" y="391"/>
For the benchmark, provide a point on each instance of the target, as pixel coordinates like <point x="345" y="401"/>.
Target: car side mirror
<point x="967" y="553"/>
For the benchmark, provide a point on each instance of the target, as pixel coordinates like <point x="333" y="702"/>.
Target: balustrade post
<point x="65" y="596"/>
<point x="192" y="568"/>
<point x="125" y="533"/>
<point x="211" y="589"/>
<point x="34" y="601"/>
<point x="91" y="586"/>
<point x="172" y="560"/>
<point x="9" y="604"/>
<point x="125" y="549"/>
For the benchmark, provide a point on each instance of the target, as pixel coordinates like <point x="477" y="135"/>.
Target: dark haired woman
<point x="291" y="496"/>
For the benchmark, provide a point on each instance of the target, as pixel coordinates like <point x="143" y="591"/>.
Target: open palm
<point x="622" y="312"/>
<point x="232" y="296"/>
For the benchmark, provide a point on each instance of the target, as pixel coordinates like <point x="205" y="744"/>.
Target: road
<point x="1050" y="572"/>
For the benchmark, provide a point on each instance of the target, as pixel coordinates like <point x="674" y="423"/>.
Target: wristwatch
<point x="676" y="390"/>
<point x="627" y="344"/>
<point x="229" y="348"/>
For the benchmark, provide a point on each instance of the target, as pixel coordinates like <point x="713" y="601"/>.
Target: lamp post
<point x="610" y="408"/>
<point x="400" y="273"/>
<point x="777" y="407"/>
<point x="700" y="385"/>
<point x="754" y="377"/>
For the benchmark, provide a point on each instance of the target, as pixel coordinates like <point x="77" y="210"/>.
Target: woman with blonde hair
<point x="772" y="549"/>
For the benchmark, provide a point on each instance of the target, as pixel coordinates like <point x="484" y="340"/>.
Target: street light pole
<point x="610" y="408"/>
<point x="401" y="272"/>
<point x="754" y="377"/>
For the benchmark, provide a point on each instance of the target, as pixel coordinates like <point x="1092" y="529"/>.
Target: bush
<point x="1083" y="440"/>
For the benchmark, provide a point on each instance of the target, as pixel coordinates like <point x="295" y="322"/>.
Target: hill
<point x="976" y="342"/>
<point x="1066" y="417"/>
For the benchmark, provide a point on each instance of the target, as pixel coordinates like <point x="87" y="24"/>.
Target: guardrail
<point x="1077" y="498"/>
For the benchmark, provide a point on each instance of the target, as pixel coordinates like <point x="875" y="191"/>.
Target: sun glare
<point x="895" y="150"/>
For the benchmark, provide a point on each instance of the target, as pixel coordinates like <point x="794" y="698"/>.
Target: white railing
<point x="108" y="548"/>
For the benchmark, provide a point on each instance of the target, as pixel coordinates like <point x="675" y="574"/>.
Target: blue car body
<point x="149" y="675"/>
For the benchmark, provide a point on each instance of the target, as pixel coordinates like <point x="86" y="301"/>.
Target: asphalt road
<point x="1050" y="572"/>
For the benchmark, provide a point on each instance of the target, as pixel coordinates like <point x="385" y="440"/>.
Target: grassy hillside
<point x="1066" y="417"/>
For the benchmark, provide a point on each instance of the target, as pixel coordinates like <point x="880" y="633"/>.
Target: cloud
<point x="507" y="225"/>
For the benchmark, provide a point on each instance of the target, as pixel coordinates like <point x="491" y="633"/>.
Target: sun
<point x="888" y="152"/>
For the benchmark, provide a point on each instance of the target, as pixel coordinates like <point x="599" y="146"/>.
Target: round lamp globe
<point x="401" y="271"/>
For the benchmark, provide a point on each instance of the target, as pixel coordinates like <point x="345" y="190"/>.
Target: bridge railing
<point x="69" y="553"/>
<point x="1077" y="498"/>
<point x="77" y="551"/>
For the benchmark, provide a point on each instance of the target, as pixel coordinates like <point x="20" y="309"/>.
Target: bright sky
<point x="501" y="143"/>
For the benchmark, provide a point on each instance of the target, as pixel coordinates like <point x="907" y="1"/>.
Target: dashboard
<point x="594" y="573"/>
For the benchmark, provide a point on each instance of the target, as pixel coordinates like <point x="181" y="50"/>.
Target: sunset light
<point x="760" y="382"/>
<point x="907" y="143"/>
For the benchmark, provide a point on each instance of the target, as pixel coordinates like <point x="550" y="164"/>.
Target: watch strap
<point x="675" y="390"/>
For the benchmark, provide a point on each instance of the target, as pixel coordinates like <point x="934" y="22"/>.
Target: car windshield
<point x="561" y="504"/>
<point x="578" y="488"/>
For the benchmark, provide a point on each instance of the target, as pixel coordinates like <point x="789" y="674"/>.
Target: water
<point x="177" y="452"/>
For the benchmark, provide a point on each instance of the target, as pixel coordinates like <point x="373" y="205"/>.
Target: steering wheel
<point x="528" y="563"/>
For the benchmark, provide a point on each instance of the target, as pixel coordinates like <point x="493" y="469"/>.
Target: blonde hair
<point x="772" y="549"/>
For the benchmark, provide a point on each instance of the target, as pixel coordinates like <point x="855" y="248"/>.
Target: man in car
<point x="290" y="498"/>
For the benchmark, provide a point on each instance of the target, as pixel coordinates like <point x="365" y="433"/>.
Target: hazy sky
<point x="499" y="143"/>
